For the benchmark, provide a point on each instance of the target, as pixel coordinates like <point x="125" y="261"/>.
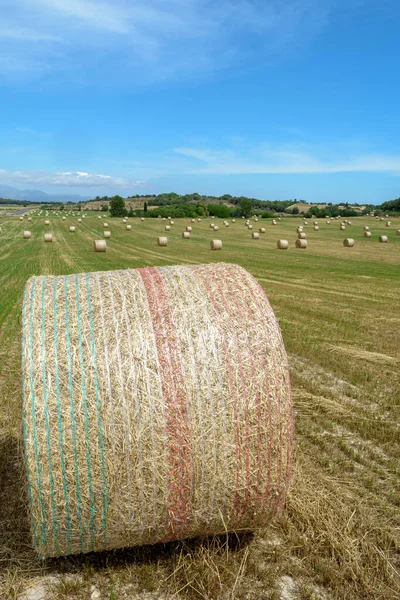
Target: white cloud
<point x="69" y="179"/>
<point x="285" y="159"/>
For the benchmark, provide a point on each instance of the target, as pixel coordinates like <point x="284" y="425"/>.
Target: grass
<point x="339" y="313"/>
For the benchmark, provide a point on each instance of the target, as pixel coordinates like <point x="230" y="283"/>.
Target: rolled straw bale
<point x="273" y="222"/>
<point x="367" y="234"/>
<point x="328" y="222"/>
<point x="162" y="241"/>
<point x="216" y="245"/>
<point x="186" y="235"/>
<point x="255" y="235"/>
<point x="27" y="235"/>
<point x="282" y="244"/>
<point x="382" y="219"/>
<point x="233" y="220"/>
<point x="72" y="229"/>
<point x="47" y="222"/>
<point x="349" y="222"/>
<point x="213" y="217"/>
<point x="142" y="219"/>
<point x="388" y="223"/>
<point x="79" y="220"/>
<point x="172" y="222"/>
<point x="383" y="239"/>
<point x="1" y="231"/>
<point x="305" y="222"/>
<point x="30" y="219"/>
<point x="99" y="245"/>
<point x="211" y="225"/>
<point x="316" y="227"/>
<point x="397" y="232"/>
<point x="348" y="242"/>
<point x="128" y="227"/>
<point x="299" y="229"/>
<point x="262" y="230"/>
<point x="48" y="237"/>
<point x="188" y="228"/>
<point x="193" y="221"/>
<point x="366" y="228"/>
<point x="343" y="227"/>
<point x="107" y="235"/>
<point x="279" y="219"/>
<point x="250" y="227"/>
<point x="301" y="243"/>
<point x="315" y="222"/>
<point x="216" y="228"/>
<point x="168" y="228"/>
<point x="105" y="225"/>
<point x="198" y="220"/>
<point x="301" y="235"/>
<point x="99" y="217"/>
<point x="64" y="218"/>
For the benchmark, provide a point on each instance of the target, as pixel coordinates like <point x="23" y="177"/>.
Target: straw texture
<point x="156" y="406"/>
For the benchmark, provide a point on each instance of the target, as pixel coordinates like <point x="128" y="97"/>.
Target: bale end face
<point x="301" y="243"/>
<point x="48" y="237"/>
<point x="383" y="239"/>
<point x="348" y="243"/>
<point x="367" y="234"/>
<point x="216" y="244"/>
<point x="282" y="244"/>
<point x="255" y="236"/>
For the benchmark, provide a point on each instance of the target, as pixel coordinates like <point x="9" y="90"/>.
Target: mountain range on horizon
<point x="12" y="193"/>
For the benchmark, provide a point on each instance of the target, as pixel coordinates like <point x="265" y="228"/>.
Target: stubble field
<point x="339" y="310"/>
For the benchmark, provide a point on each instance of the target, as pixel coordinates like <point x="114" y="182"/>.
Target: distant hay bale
<point x="100" y="245"/>
<point x="172" y="222"/>
<point x="250" y="227"/>
<point x="273" y="222"/>
<point x="47" y="222"/>
<point x="301" y="243"/>
<point x="342" y="227"/>
<point x="105" y="225"/>
<point x="162" y="241"/>
<point x="142" y="219"/>
<point x="213" y="217"/>
<point x="349" y="222"/>
<point x="107" y="235"/>
<point x="316" y="228"/>
<point x="21" y="218"/>
<point x="48" y="237"/>
<point x="367" y="234"/>
<point x="348" y="242"/>
<point x="255" y="235"/>
<point x="282" y="244"/>
<point x="305" y="222"/>
<point x="151" y="410"/>
<point x="216" y="244"/>
<point x="233" y="220"/>
<point x="328" y="222"/>
<point x="388" y="223"/>
<point x="72" y="228"/>
<point x="262" y="230"/>
<point x="188" y="228"/>
<point x="299" y="229"/>
<point x="64" y="218"/>
<point x="30" y="219"/>
<point x="382" y="219"/>
<point x="99" y="217"/>
<point x="193" y="221"/>
<point x="168" y="228"/>
<point x="186" y="235"/>
<point x="79" y="220"/>
<point x="301" y="235"/>
<point x="255" y="219"/>
<point x="128" y="227"/>
<point x="383" y="239"/>
<point x="216" y="228"/>
<point x="198" y="220"/>
<point x="397" y="232"/>
<point x="27" y="235"/>
<point x="366" y="228"/>
<point x="315" y="222"/>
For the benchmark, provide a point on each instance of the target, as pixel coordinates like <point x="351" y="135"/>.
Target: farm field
<point x="339" y="311"/>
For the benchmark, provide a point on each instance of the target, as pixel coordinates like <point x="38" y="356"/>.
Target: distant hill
<point x="8" y="191"/>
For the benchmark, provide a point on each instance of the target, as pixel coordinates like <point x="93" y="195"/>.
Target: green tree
<point x="104" y="207"/>
<point x="246" y="207"/>
<point x="61" y="207"/>
<point x="145" y="207"/>
<point x="117" y="207"/>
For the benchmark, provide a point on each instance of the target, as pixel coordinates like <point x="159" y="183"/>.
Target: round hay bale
<point x="301" y="235"/>
<point x="79" y="220"/>
<point x="250" y="227"/>
<point x="211" y="225"/>
<point x="1" y="231"/>
<point x="348" y="242"/>
<point x="262" y="230"/>
<point x="27" y="235"/>
<point x="342" y="227"/>
<point x="216" y="228"/>
<point x="367" y="234"/>
<point x="216" y="245"/>
<point x="186" y="235"/>
<point x="233" y="220"/>
<point x="305" y="222"/>
<point x="142" y="219"/>
<point x="273" y="222"/>
<point x="100" y="245"/>
<point x="198" y="220"/>
<point x="255" y="235"/>
<point x="366" y="228"/>
<point x="47" y="222"/>
<point x="349" y="222"/>
<point x="105" y="225"/>
<point x="301" y="243"/>
<point x="168" y="228"/>
<point x="128" y="227"/>
<point x="72" y="228"/>
<point x="213" y="217"/>
<point x="299" y="229"/>
<point x="21" y="218"/>
<point x="107" y="235"/>
<point x="162" y="241"/>
<point x="282" y="244"/>
<point x="193" y="221"/>
<point x="328" y="222"/>
<point x="316" y="228"/>
<point x="172" y="222"/>
<point x="398" y="232"/>
<point x="188" y="229"/>
<point x="64" y="218"/>
<point x="388" y="223"/>
<point x="30" y="219"/>
<point x="226" y="224"/>
<point x="383" y="239"/>
<point x="315" y="222"/>
<point x="48" y="237"/>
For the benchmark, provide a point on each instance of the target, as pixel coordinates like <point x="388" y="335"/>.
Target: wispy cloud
<point x="151" y="40"/>
<point x="285" y="159"/>
<point x="68" y="179"/>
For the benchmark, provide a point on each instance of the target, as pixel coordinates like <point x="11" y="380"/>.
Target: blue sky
<point x="272" y="99"/>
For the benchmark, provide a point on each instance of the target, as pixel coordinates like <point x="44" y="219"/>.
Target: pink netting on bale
<point x="157" y="406"/>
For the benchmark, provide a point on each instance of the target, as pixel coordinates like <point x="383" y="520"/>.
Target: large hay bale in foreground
<point x="27" y="235"/>
<point x="100" y="245"/>
<point x="156" y="406"/>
